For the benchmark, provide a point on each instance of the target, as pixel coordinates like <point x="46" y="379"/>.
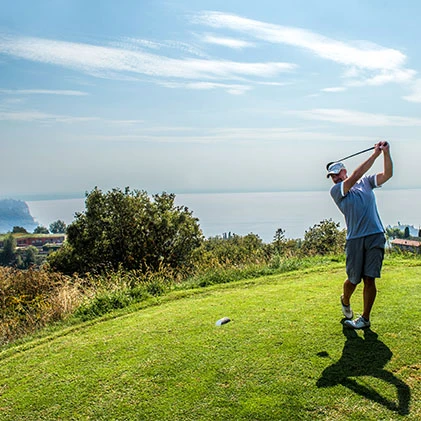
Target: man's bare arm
<point x="362" y="169"/>
<point x="387" y="168"/>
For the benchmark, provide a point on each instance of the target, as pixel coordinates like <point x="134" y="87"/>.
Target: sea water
<point x="258" y="213"/>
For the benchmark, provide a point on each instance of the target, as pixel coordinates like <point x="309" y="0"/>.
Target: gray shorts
<point x="364" y="257"/>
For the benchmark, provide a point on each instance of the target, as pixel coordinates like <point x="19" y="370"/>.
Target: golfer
<point x="365" y="238"/>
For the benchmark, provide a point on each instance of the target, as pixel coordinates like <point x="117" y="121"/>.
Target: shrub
<point x="131" y="230"/>
<point x="324" y="238"/>
<point x="31" y="299"/>
<point x="114" y="290"/>
<point x="234" y="250"/>
<point x="103" y="304"/>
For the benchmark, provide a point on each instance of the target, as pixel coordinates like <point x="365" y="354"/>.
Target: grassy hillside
<point x="284" y="356"/>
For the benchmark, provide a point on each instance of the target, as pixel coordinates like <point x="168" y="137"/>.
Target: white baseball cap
<point x="335" y="168"/>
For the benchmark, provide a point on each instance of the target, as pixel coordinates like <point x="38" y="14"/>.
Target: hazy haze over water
<point x="260" y="213"/>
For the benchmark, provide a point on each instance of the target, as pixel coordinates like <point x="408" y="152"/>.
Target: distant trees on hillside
<point x="58" y="227"/>
<point x="400" y="232"/>
<point x="41" y="230"/>
<point x="19" y="230"/>
<point x="128" y="229"/>
<point x="22" y="259"/>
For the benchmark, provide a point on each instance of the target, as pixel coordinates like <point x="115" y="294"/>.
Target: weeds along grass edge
<point x="124" y="297"/>
<point x="120" y="299"/>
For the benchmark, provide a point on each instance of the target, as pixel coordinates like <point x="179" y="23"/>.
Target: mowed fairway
<point x="284" y="356"/>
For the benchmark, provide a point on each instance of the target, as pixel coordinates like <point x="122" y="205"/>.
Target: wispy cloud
<point x="130" y="43"/>
<point x="42" y="117"/>
<point x="371" y="64"/>
<point x="127" y="123"/>
<point x="356" y="118"/>
<point x="334" y="89"/>
<point x="234" y="89"/>
<point x="275" y="83"/>
<point x="41" y="92"/>
<point x="415" y="96"/>
<point x="103" y="61"/>
<point x="227" y="42"/>
<point x="38" y="116"/>
<point x="246" y="135"/>
<point x="384" y="76"/>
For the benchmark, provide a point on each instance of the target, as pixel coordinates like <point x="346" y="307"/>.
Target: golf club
<point x="350" y="156"/>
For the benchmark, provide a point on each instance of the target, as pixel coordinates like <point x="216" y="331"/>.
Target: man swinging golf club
<point x="365" y="238"/>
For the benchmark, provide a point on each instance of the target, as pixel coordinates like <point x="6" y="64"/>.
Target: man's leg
<point x="369" y="295"/>
<point x="354" y="267"/>
<point x="349" y="288"/>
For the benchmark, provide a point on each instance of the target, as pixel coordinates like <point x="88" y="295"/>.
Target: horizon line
<point x="34" y="197"/>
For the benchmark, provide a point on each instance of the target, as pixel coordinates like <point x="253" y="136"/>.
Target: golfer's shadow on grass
<point x="365" y="357"/>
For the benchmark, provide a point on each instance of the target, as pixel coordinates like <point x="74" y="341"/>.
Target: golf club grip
<point x="355" y="154"/>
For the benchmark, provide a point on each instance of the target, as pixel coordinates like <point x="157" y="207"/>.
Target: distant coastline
<point x="15" y="213"/>
<point x="43" y="196"/>
<point x="261" y="212"/>
<point x="32" y="197"/>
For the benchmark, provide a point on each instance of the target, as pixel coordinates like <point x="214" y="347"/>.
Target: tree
<point x="324" y="238"/>
<point x="128" y="229"/>
<point x="406" y="232"/>
<point x="58" y="227"/>
<point x="8" y="254"/>
<point x="392" y="233"/>
<point x="279" y="240"/>
<point x="29" y="257"/>
<point x="19" y="230"/>
<point x="41" y="230"/>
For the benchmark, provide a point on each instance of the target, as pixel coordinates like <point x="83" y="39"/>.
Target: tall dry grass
<point x="34" y="298"/>
<point x="31" y="299"/>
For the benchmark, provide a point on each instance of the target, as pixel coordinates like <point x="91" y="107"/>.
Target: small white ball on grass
<point x="223" y="321"/>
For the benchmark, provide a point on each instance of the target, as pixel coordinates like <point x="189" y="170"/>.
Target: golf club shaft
<point x="355" y="154"/>
<point x="350" y="156"/>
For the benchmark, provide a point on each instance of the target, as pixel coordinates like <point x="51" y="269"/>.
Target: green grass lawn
<point x="284" y="356"/>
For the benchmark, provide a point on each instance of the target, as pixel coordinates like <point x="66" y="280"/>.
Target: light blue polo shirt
<point x="359" y="207"/>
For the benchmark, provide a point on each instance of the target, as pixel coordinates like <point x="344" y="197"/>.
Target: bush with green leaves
<point x="233" y="250"/>
<point x="31" y="299"/>
<point x="8" y="253"/>
<point x="115" y="290"/>
<point x="128" y="229"/>
<point x="324" y="238"/>
<point x="28" y="257"/>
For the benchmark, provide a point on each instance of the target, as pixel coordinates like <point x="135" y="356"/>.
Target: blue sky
<point x="199" y="96"/>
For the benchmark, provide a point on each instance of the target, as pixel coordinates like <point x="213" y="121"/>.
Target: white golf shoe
<point x="359" y="323"/>
<point x="347" y="310"/>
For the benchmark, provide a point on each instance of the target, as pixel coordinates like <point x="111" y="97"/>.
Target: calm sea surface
<point x="260" y="213"/>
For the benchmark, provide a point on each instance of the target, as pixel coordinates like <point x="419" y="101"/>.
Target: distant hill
<point x="15" y="213"/>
